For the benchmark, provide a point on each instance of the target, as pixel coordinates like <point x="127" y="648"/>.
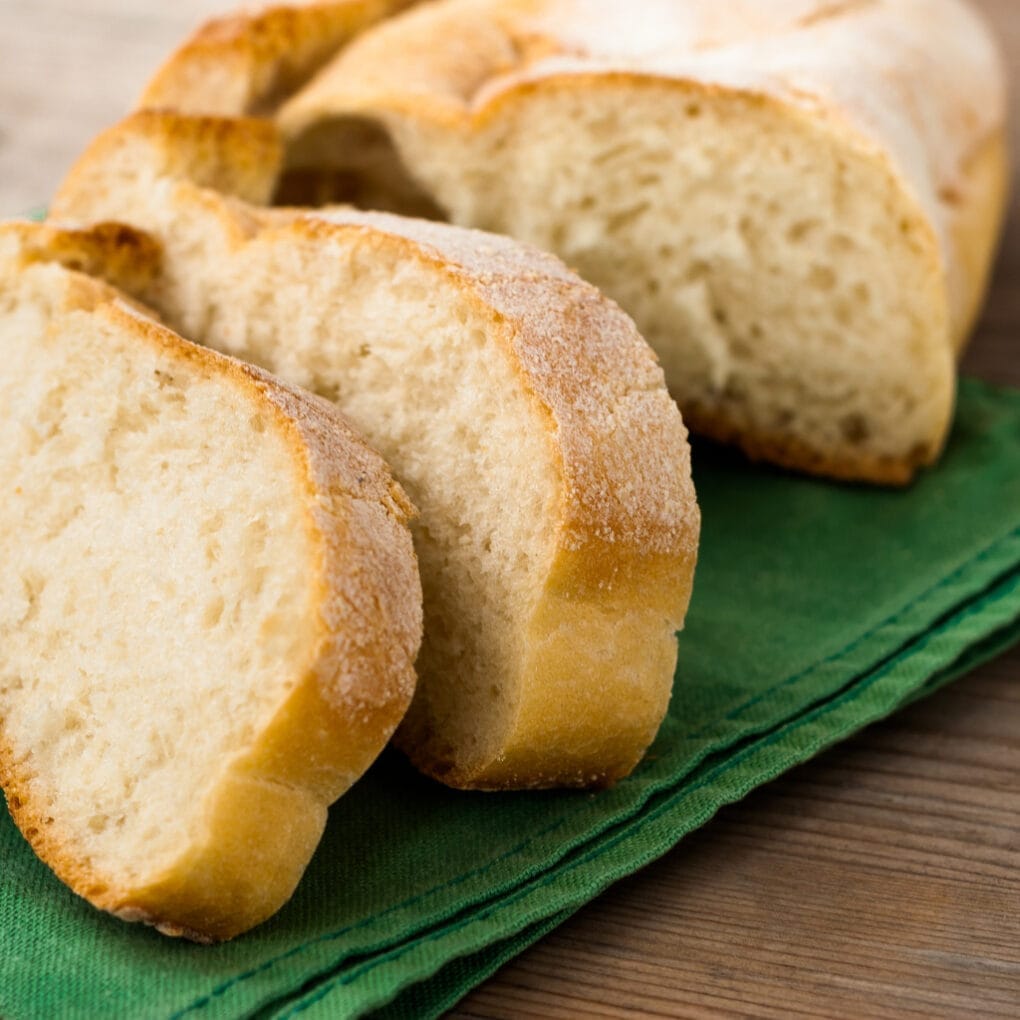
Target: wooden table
<point x="880" y="880"/>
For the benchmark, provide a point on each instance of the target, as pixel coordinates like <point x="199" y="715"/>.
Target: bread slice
<point x="522" y="411"/>
<point x="246" y="62"/>
<point x="209" y="608"/>
<point x="794" y="200"/>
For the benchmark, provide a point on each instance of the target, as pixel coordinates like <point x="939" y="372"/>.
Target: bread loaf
<point x="522" y="411"/>
<point x="209" y="608"/>
<point x="797" y="201"/>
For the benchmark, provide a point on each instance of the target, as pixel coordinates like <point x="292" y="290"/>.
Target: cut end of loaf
<point x="763" y="189"/>
<point x="734" y="175"/>
<point x="760" y="293"/>
<point x="525" y="415"/>
<point x="196" y="660"/>
<point x="145" y="625"/>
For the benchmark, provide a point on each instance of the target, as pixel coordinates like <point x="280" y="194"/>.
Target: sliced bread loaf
<point x="794" y="199"/>
<point x="209" y="608"/>
<point x="522" y="411"/>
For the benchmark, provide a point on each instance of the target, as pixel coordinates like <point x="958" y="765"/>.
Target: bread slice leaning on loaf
<point x="797" y="201"/>
<point x="209" y="608"/>
<point x="522" y="411"/>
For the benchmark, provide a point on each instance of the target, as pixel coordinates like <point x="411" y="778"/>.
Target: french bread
<point x="521" y="410"/>
<point x="797" y="201"/>
<point x="209" y="608"/>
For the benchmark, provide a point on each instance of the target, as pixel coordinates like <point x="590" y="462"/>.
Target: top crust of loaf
<point x="855" y="63"/>
<point x="812" y="53"/>
<point x="265" y="814"/>
<point x="864" y="78"/>
<point x="628" y="522"/>
<point x="244" y="63"/>
<point x="856" y="67"/>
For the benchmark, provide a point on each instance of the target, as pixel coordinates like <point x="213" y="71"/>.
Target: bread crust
<point x="242" y="64"/>
<point x="457" y="67"/>
<point x="265" y="813"/>
<point x="950" y="174"/>
<point x="124" y="258"/>
<point x="601" y="643"/>
<point x="628" y="525"/>
<point x="953" y="290"/>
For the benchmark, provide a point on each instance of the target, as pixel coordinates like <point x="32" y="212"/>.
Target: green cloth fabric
<point x="818" y="608"/>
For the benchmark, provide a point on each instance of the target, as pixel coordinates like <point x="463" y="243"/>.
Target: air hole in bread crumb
<point x="855" y="429"/>
<point x="329" y="391"/>
<point x="212" y="551"/>
<point x="822" y="278"/>
<point x="213" y="612"/>
<point x="801" y="230"/>
<point x="842" y="244"/>
<point x="740" y="348"/>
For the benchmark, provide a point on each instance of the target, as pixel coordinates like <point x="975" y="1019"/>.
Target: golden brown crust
<point x="266" y="814"/>
<point x="843" y="464"/>
<point x="628" y="522"/>
<point x="465" y="67"/>
<point x="124" y="257"/>
<point x="236" y="156"/>
<point x="243" y="64"/>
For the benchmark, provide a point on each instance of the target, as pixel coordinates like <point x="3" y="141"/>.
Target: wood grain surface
<point x="880" y="880"/>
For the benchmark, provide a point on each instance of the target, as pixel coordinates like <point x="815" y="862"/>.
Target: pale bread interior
<point x="410" y="357"/>
<point x="156" y="602"/>
<point x="744" y="241"/>
<point x="415" y="368"/>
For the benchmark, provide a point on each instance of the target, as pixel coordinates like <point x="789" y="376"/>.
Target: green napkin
<point x="818" y="609"/>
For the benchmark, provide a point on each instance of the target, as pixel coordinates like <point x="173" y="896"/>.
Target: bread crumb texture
<point x="795" y="203"/>
<point x="170" y="564"/>
<point x="525" y="416"/>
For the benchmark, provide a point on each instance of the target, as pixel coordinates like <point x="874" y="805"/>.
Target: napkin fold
<point x="818" y="609"/>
